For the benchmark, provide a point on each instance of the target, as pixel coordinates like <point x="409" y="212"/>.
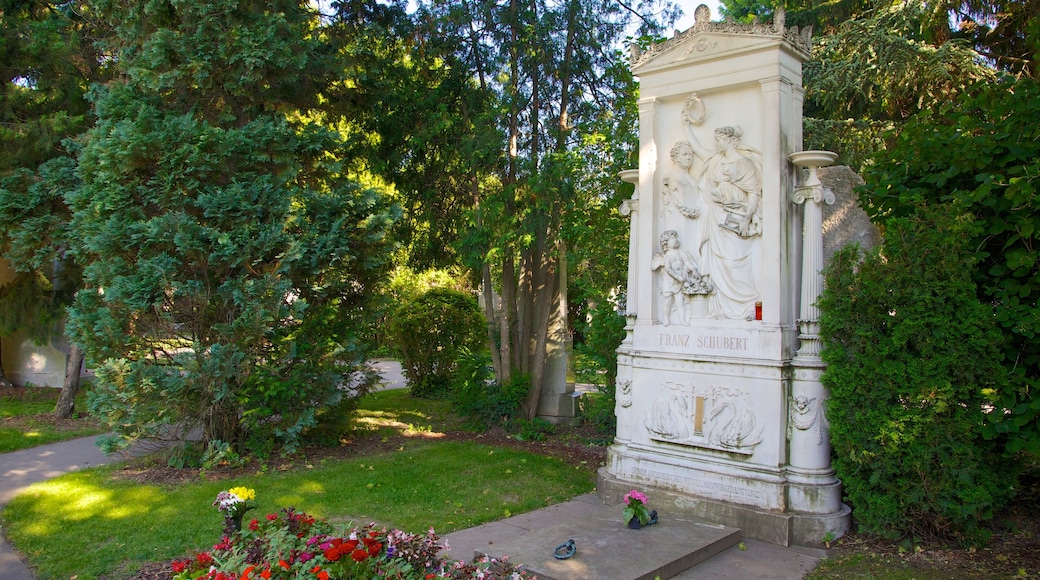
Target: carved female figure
<point x="732" y="188"/>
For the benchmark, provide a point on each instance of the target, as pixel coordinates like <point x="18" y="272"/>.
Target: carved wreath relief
<point x="719" y="190"/>
<point x="712" y="417"/>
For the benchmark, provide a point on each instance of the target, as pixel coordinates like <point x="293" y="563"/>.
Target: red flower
<point x="245" y="573"/>
<point x="254" y="525"/>
<point x="283" y="564"/>
<point x="204" y="558"/>
<point x="373" y="546"/>
<point x="349" y="545"/>
<point x="266" y="574"/>
<point x="332" y="554"/>
<point x="272" y="517"/>
<point x="179" y="566"/>
<point x="323" y="575"/>
<point x="359" y="555"/>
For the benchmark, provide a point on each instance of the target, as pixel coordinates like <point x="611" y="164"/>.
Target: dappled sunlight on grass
<point x="377" y="423"/>
<point x="92" y="525"/>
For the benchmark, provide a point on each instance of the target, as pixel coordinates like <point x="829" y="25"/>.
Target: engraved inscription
<point x="675" y="339"/>
<point x="722" y="342"/>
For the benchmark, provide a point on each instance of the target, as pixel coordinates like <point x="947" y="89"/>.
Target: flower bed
<point x="292" y="544"/>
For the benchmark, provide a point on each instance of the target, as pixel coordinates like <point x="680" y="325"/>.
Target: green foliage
<point x="534" y="429"/>
<point x="49" y="60"/>
<point x="911" y="354"/>
<point x="483" y="401"/>
<point x="227" y="256"/>
<point x="597" y="409"/>
<point x="981" y="155"/>
<point x="431" y="331"/>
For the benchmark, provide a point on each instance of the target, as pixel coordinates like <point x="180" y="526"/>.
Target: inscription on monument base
<point x="703" y="342"/>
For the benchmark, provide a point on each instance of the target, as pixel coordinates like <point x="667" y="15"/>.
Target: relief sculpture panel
<point x="712" y="417"/>
<point x="719" y="188"/>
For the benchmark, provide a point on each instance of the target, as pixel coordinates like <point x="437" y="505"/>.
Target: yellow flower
<point x="243" y="493"/>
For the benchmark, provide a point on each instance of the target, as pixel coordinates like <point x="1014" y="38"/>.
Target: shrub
<point x="911" y="356"/>
<point x="981" y="153"/>
<point x="478" y="397"/>
<point x="431" y="332"/>
<point x="597" y="409"/>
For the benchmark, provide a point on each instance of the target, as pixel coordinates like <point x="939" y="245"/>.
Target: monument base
<point x="559" y="408"/>
<point x="782" y="528"/>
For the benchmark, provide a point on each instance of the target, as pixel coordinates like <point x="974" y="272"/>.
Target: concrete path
<point x="759" y="560"/>
<point x="21" y="469"/>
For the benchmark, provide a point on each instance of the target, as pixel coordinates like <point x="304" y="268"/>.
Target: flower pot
<point x="634" y="524"/>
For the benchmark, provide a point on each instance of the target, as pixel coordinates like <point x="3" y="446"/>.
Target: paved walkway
<point x="758" y="561"/>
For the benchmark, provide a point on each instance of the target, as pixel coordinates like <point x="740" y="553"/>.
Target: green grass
<point x="92" y="523"/>
<point x="25" y="420"/>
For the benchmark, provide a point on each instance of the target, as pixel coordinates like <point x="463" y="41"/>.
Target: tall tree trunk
<point x="4" y="382"/>
<point x="69" y="389"/>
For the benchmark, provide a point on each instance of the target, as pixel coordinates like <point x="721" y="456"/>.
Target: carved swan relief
<point x="732" y="428"/>
<point x="715" y="418"/>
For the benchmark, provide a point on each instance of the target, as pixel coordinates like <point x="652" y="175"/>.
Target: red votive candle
<point x="758" y="311"/>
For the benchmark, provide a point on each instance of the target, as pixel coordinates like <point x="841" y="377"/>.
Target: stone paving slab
<point x="604" y="547"/>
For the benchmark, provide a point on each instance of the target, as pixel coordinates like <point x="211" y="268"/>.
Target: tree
<point x="551" y="70"/>
<point x="227" y="253"/>
<point x="49" y="61"/>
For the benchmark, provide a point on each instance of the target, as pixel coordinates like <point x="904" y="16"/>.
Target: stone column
<point x="628" y="209"/>
<point x="814" y="488"/>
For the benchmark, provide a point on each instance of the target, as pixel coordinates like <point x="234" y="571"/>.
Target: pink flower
<point x="635" y="495"/>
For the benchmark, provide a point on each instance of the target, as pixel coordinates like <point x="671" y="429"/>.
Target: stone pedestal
<point x="711" y="394"/>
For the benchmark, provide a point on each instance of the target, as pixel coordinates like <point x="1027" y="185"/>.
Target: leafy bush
<point x="603" y="335"/>
<point x="534" y="430"/>
<point x="477" y="396"/>
<point x="911" y="356"/>
<point x="431" y="332"/>
<point x="981" y="153"/>
<point x="597" y="409"/>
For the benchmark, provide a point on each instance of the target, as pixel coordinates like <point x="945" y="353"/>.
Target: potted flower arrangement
<point x="234" y="503"/>
<point x="636" y="514"/>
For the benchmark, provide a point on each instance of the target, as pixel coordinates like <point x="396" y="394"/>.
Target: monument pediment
<point x="707" y="40"/>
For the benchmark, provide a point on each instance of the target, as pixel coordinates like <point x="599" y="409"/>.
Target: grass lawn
<point x="26" y="420"/>
<point x="101" y="523"/>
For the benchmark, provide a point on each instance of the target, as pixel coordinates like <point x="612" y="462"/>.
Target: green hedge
<point x="912" y="356"/>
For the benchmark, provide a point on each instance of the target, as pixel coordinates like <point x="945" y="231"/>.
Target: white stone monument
<point x="719" y="402"/>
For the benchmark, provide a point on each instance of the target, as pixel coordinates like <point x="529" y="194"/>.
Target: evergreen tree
<point x="227" y="254"/>
<point x="48" y="59"/>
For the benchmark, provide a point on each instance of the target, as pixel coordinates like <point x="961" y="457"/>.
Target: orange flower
<point x="284" y="564"/>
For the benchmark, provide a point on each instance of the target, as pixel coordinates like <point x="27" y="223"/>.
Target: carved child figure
<point x="681" y="277"/>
